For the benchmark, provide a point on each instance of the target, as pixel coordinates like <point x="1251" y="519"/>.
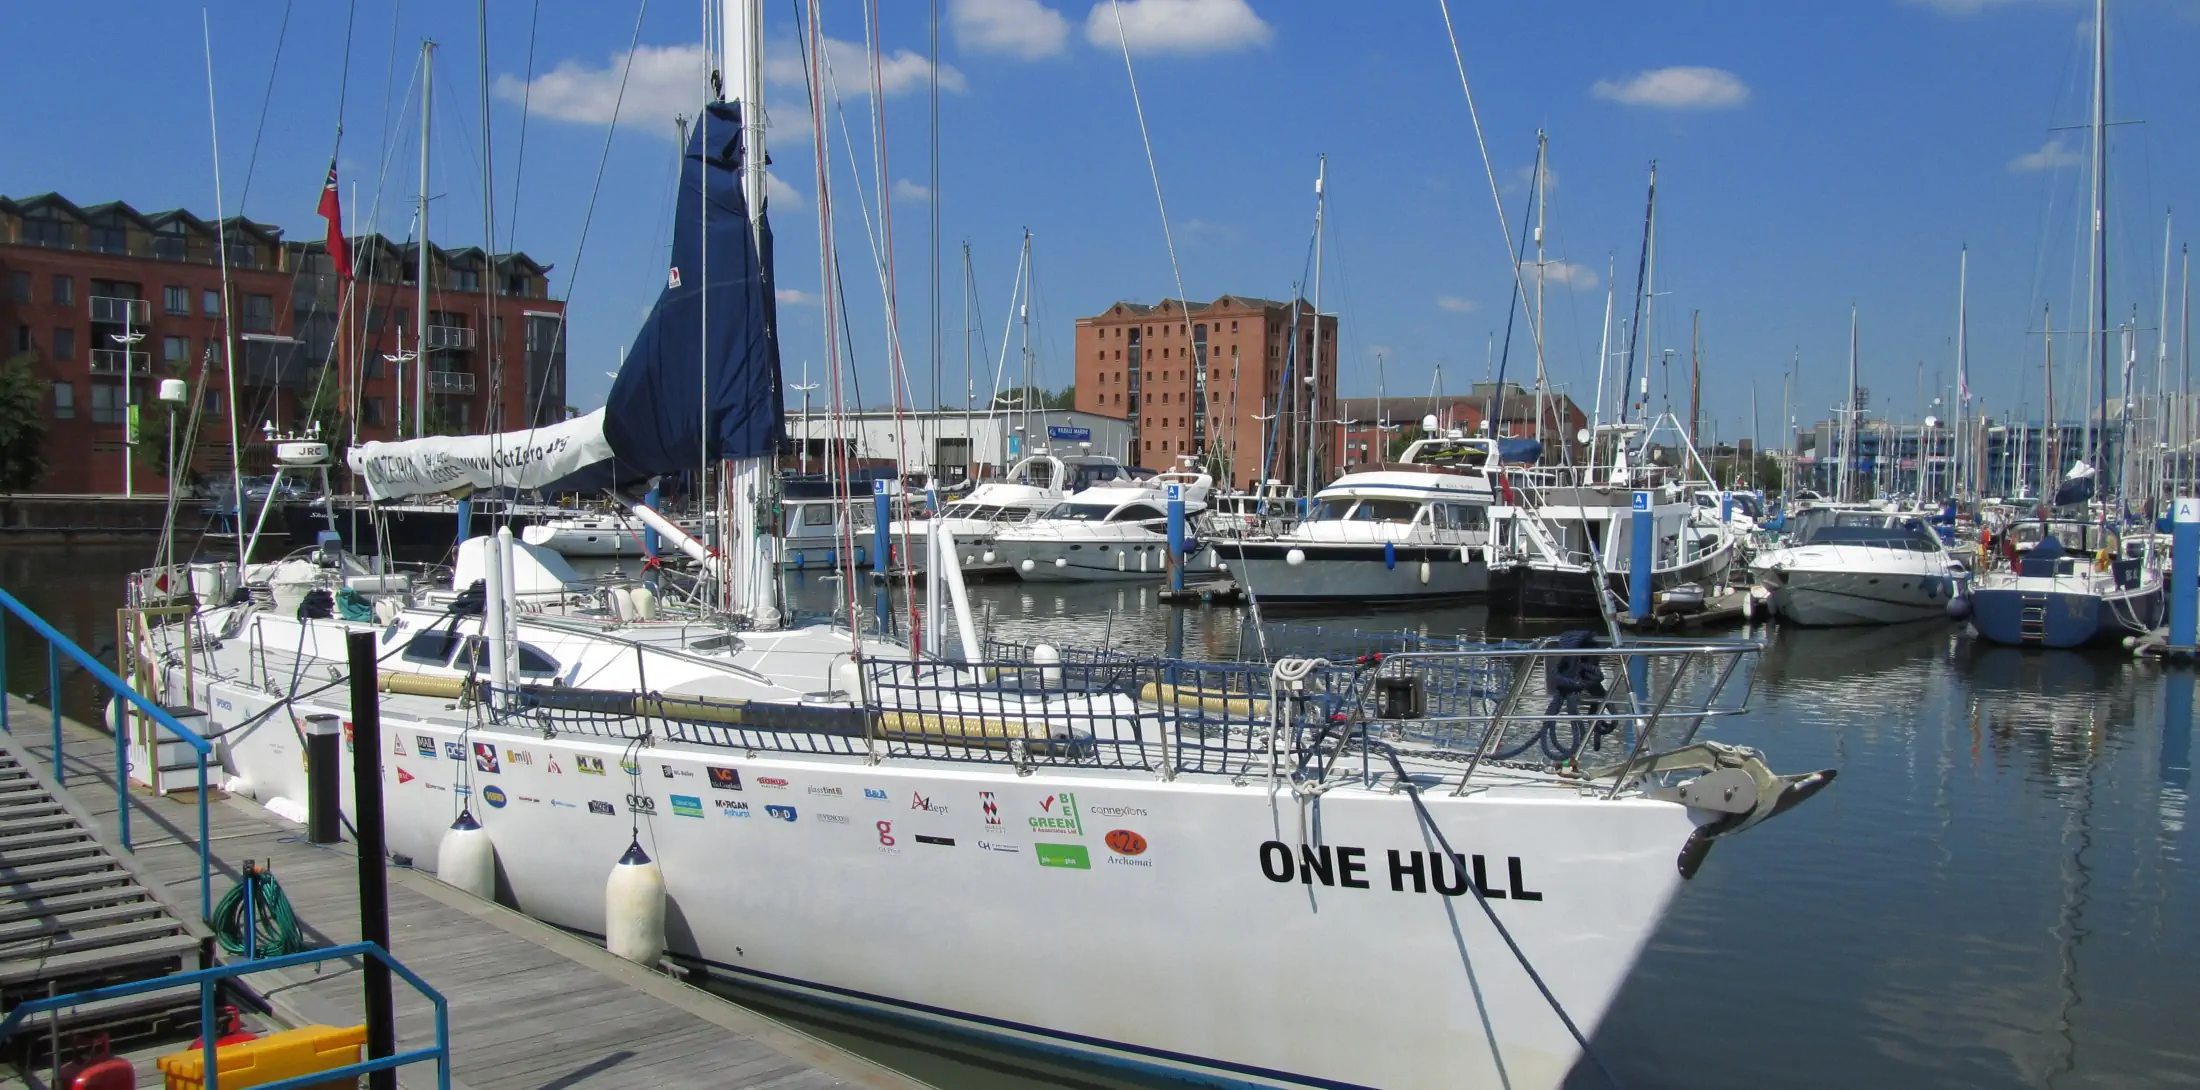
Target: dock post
<point x="324" y="771"/>
<point x="2184" y="573"/>
<point x="1176" y="537"/>
<point x="881" y="536"/>
<point x="1642" y="560"/>
<point x="374" y="881"/>
<point x="651" y="543"/>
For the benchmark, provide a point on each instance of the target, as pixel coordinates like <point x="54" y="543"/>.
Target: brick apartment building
<point x="74" y="279"/>
<point x="1197" y="379"/>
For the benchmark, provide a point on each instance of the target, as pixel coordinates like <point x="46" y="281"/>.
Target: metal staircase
<point x="76" y="914"/>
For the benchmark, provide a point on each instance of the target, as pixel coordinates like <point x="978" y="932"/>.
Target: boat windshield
<point x="1081" y="512"/>
<point x="1092" y="473"/>
<point x="1906" y="534"/>
<point x="1385" y="511"/>
<point x="1328" y="511"/>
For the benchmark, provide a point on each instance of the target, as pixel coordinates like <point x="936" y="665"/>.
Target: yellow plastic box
<point x="269" y="1059"/>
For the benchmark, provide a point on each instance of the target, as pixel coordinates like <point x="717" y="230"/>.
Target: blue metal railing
<point x="58" y="645"/>
<point x="206" y="979"/>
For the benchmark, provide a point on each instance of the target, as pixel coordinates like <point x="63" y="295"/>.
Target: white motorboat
<point x="1031" y="488"/>
<point x="1860" y="567"/>
<point x="1415" y="531"/>
<point x="598" y="533"/>
<point x="1117" y="531"/>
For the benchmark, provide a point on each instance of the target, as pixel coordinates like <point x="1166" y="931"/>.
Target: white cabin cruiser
<point x="1414" y="531"/>
<point x="1116" y="531"/>
<point x="1030" y="489"/>
<point x="1860" y="567"/>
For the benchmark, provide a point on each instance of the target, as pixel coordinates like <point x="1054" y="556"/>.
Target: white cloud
<point x="1559" y="274"/>
<point x="1177" y="26"/>
<point x="781" y="195"/>
<point x="790" y="297"/>
<point x="1020" y="28"/>
<point x="2052" y="155"/>
<point x="1456" y="305"/>
<point x="906" y="190"/>
<point x="1679" y="88"/>
<point x="666" y="81"/>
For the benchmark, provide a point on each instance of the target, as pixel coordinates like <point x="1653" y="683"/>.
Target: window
<point x="474" y="659"/>
<point x="108" y="240"/>
<point x="259" y="313"/>
<point x="467" y="279"/>
<point x="404" y="319"/>
<point x="175" y="351"/>
<point x="372" y="323"/>
<point x="64" y="291"/>
<point x="372" y="411"/>
<point x="19" y="287"/>
<point x="64" y="401"/>
<point x="210" y="303"/>
<point x="108" y="405"/>
<point x="373" y="365"/>
<point x="176" y="299"/>
<point x="54" y="233"/>
<point x="1138" y="512"/>
<point x="817" y="514"/>
<point x="64" y="343"/>
<point x="431" y="648"/>
<point x="22" y="338"/>
<point x="213" y="408"/>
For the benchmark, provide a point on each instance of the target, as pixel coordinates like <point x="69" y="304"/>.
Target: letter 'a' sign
<point x="1642" y="500"/>
<point x="1176" y="491"/>
<point x="2188" y="509"/>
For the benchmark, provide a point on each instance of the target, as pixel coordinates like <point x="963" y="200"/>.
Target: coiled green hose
<point x="274" y="925"/>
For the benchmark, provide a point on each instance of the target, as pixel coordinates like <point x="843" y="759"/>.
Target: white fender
<point x="467" y="858"/>
<point x="634" y="907"/>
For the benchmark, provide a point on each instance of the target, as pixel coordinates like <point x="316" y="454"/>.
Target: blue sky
<point x="1810" y="156"/>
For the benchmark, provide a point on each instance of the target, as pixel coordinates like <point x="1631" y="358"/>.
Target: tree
<point x="22" y="424"/>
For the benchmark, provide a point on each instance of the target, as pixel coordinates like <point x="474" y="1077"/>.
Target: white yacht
<point x="596" y="533"/>
<point x="1418" y="530"/>
<point x="1859" y="567"/>
<point x="1031" y="488"/>
<point x="1114" y="531"/>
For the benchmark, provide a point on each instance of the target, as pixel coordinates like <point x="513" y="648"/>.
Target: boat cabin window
<point x="1460" y="516"/>
<point x="1081" y="512"/>
<point x="1325" y="511"/>
<point x="1385" y="511"/>
<point x="432" y="648"/>
<point x="817" y="514"/>
<point x="532" y="663"/>
<point x="1904" y="535"/>
<point x="1095" y="473"/>
<point x="1137" y="512"/>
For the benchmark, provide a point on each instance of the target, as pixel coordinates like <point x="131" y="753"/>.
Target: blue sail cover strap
<point x="653" y="418"/>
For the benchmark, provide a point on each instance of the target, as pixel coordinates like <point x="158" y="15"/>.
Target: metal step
<point x="111" y="884"/>
<point x="77" y="849"/>
<point x="80" y="914"/>
<point x="170" y="948"/>
<point x="117" y="935"/>
<point x="14" y="879"/>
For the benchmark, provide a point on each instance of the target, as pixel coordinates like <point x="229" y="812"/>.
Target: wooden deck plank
<point x="530" y="1006"/>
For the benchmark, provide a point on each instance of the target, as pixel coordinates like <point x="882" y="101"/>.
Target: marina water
<point x="1996" y="893"/>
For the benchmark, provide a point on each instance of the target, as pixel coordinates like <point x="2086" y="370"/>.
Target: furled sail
<point x="711" y="340"/>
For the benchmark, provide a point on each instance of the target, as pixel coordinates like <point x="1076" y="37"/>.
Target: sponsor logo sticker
<point x="424" y="745"/>
<point x="772" y="781"/>
<point x="919" y="802"/>
<point x="589" y="766"/>
<point x="723" y="779"/>
<point x="493" y="795"/>
<point x="992" y="808"/>
<point x="783" y="813"/>
<point x="1068" y="856"/>
<point x="397" y="748"/>
<point x="832" y="819"/>
<point x="1116" y="811"/>
<point x="1126" y="842"/>
<point x="527" y="798"/>
<point x="687" y="806"/>
<point x="1058" y="814"/>
<point x="630" y="767"/>
<point x="402" y="777"/>
<point x="642" y="804"/>
<point x="874" y="793"/>
<point x="598" y="806"/>
<point x="886" y="839"/>
<point x="454" y="751"/>
<point x="828" y="792"/>
<point x="997" y="846"/>
<point x="462" y="790"/>
<point x="942" y="841"/>
<point x="519" y="757"/>
<point x="485" y="757"/>
<point x="733" y="808"/>
<point x="554" y="804"/>
<point x="554" y="769"/>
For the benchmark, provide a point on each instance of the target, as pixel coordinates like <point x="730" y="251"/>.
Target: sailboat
<point x="1301" y="873"/>
<point x="2053" y="597"/>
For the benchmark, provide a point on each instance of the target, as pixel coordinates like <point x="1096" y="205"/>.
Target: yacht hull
<point x="1547" y="590"/>
<point x="1359" y="573"/>
<point x="2039" y="612"/>
<point x="1084" y="561"/>
<point x="1166" y="926"/>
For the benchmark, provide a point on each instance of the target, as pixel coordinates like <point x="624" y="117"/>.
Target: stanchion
<point x="374" y="885"/>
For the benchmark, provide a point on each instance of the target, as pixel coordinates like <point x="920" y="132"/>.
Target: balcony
<point x="450" y="382"/>
<point x="107" y="308"/>
<point x="117" y="361"/>
<point x="456" y="338"/>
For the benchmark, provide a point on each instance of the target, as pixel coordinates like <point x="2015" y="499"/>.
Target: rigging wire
<point x="267" y="97"/>
<point x="519" y="159"/>
<point x="1153" y="167"/>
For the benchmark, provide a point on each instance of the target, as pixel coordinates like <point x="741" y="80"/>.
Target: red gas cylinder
<point x="95" y="1069"/>
<point x="232" y="1028"/>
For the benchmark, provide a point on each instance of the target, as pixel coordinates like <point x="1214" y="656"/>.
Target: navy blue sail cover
<point x="654" y="416"/>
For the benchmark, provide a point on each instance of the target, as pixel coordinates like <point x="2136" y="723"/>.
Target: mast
<point x="2052" y="430"/>
<point x="420" y="249"/>
<point x="1649" y="285"/>
<point x="2099" y="442"/>
<point x="1314" y="364"/>
<point x="1695" y="377"/>
<point x="1023" y="317"/>
<point x="2184" y="348"/>
<point x="2160" y="433"/>
<point x="1848" y="419"/>
<point x="750" y="483"/>
<point x="1542" y="191"/>
<point x="1604" y="359"/>
<point x="1963" y="381"/>
<point x="1642" y="269"/>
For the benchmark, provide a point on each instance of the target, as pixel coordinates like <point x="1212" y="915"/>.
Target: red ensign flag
<point x="332" y="209"/>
